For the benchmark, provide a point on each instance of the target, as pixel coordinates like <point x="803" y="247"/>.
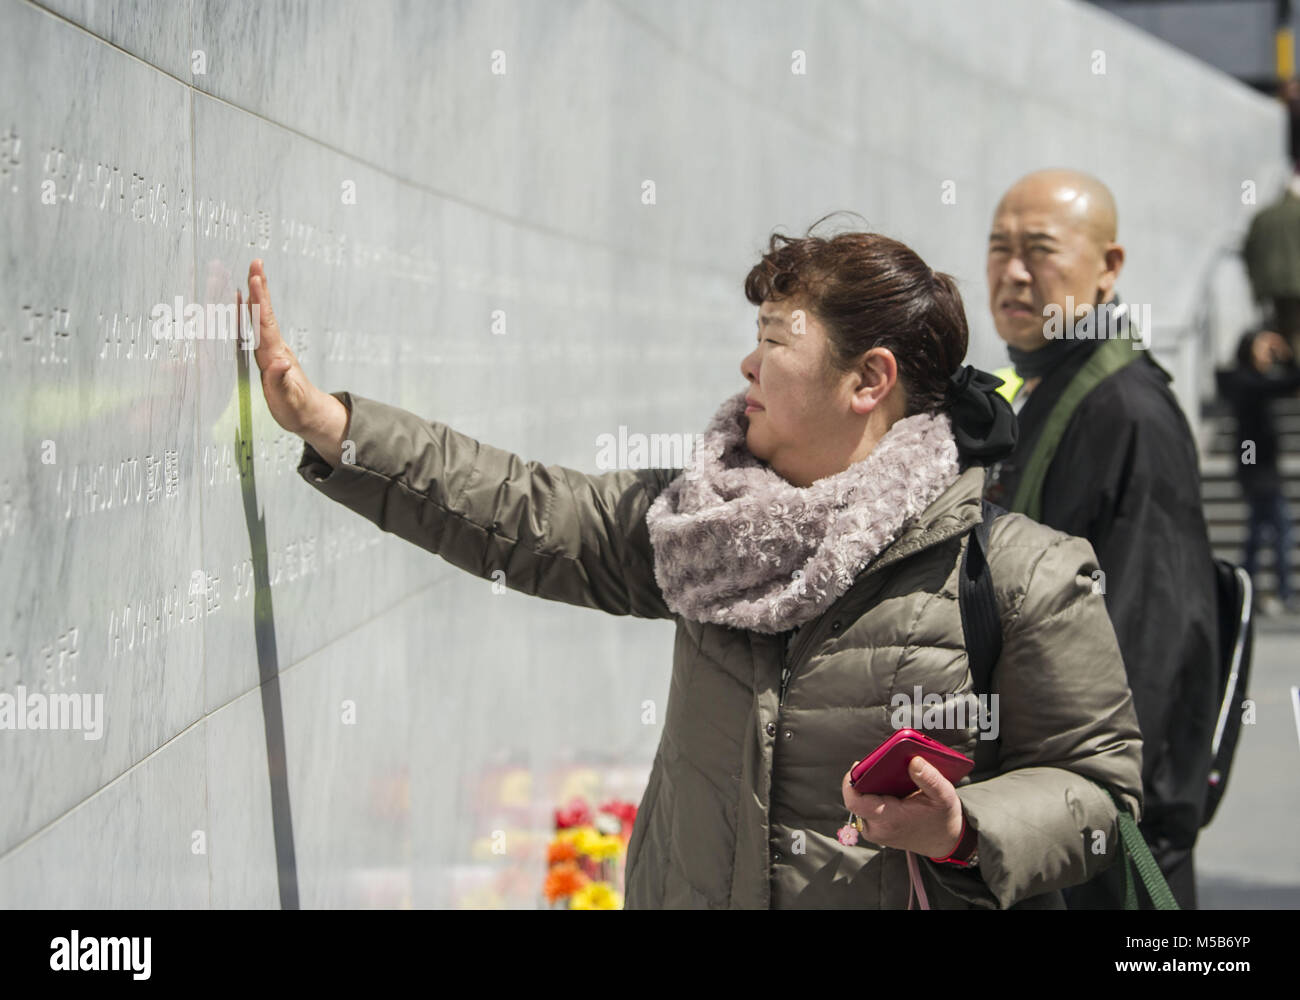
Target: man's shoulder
<point x="1135" y="397"/>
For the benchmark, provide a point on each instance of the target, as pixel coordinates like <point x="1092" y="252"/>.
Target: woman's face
<point x="814" y="421"/>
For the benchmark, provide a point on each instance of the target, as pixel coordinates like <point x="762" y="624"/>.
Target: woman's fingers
<point x="269" y="342"/>
<point x="286" y="387"/>
<point x="930" y="781"/>
<point x="866" y="806"/>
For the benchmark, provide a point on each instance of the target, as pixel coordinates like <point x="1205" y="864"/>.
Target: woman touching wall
<point x="808" y="556"/>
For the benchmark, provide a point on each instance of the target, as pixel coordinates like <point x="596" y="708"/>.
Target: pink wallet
<point x="884" y="772"/>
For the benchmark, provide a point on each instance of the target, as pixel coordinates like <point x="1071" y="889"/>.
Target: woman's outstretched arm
<point x="550" y="531"/>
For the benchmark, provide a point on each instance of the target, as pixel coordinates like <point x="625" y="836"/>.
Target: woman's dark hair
<point x="870" y="291"/>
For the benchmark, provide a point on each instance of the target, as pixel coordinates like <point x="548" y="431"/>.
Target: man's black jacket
<point x="1125" y="477"/>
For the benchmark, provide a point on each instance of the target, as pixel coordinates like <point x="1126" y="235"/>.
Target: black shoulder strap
<point x="980" y="622"/>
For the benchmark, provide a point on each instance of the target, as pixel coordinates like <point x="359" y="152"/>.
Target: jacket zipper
<point x="785" y="667"/>
<point x="798" y="641"/>
<point x="793" y="648"/>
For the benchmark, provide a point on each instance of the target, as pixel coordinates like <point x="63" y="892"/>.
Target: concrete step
<point x="1221" y="465"/>
<point x="1265" y="578"/>
<point x="1234" y="512"/>
<point x="1232" y="552"/>
<point x="1226" y="488"/>
<point x="1234" y="533"/>
<point x="1224" y="441"/>
<point x="1287" y="406"/>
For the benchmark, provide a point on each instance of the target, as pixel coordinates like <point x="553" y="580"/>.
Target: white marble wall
<point x="128" y="178"/>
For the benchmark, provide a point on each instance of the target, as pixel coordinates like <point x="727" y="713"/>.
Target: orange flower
<point x="564" y="880"/>
<point x="560" y="850"/>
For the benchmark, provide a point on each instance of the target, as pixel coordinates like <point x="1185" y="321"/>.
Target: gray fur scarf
<point x="736" y="544"/>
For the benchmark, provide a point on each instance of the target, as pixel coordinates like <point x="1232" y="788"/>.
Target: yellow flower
<point x="596" y="896"/>
<point x="603" y="847"/>
<point x="586" y="839"/>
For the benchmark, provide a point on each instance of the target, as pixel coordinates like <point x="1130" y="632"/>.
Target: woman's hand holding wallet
<point x="928" y="822"/>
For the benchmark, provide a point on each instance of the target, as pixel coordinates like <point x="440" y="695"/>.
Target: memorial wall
<point x="529" y="221"/>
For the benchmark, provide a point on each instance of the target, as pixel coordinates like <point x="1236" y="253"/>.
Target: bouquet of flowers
<point x="586" y="856"/>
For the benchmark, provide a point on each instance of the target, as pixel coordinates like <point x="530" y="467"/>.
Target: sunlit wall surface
<point x="528" y="220"/>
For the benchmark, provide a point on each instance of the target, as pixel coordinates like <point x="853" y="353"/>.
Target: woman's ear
<point x="877" y="380"/>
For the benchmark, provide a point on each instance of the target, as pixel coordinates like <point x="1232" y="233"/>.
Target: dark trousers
<point x="1106" y="891"/>
<point x="1269" y="512"/>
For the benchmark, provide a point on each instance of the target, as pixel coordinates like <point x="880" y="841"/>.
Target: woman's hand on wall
<point x="297" y="405"/>
<point x="927" y="822"/>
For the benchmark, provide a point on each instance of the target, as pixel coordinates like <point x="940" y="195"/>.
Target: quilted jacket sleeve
<point x="554" y="532"/>
<point x="1067" y="726"/>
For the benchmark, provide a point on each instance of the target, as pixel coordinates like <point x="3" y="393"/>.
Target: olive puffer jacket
<point x="744" y="798"/>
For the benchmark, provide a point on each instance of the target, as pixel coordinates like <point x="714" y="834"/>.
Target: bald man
<point x="1119" y="469"/>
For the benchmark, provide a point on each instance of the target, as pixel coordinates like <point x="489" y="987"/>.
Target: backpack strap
<point x="1112" y="355"/>
<point x="981" y="624"/>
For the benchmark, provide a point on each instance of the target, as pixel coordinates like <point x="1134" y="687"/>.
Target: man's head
<point x="1053" y="236"/>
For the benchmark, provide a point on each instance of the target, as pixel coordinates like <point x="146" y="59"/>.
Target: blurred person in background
<point x="1105" y="453"/>
<point x="1265" y="370"/>
<point x="1271" y="251"/>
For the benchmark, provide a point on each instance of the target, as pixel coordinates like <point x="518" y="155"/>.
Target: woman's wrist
<point x="327" y="429"/>
<point x="964" y="849"/>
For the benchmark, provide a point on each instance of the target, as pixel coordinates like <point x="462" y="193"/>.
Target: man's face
<point x="790" y="378"/>
<point x="1041" y="251"/>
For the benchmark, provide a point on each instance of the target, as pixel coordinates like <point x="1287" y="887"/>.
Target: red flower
<point x="625" y="811"/>
<point x="576" y="813"/>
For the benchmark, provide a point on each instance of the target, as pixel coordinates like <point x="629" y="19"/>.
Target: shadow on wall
<point x="268" y="658"/>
